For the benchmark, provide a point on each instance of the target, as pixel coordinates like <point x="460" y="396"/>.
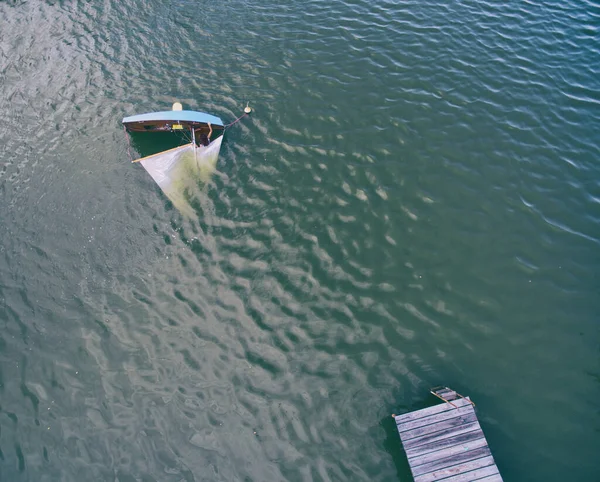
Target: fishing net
<point x="179" y="171"/>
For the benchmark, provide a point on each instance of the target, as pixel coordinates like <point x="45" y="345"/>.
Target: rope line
<point x="235" y="121"/>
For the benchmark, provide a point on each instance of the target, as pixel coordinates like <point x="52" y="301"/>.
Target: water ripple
<point x="414" y="202"/>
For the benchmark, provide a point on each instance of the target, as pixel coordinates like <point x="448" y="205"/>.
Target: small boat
<point x="187" y="125"/>
<point x="176" y="170"/>
<point x="173" y="120"/>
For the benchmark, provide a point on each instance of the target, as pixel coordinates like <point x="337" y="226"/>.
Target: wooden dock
<point x="446" y="443"/>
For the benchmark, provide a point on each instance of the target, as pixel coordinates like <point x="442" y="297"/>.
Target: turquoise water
<point x="415" y="201"/>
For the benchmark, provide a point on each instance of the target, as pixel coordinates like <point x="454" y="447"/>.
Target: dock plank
<point x="426" y="412"/>
<point x="441" y="444"/>
<point x="457" y="449"/>
<point x="451" y="432"/>
<point x="476" y="475"/>
<point x="455" y="470"/>
<point x="457" y="460"/>
<point x="460" y="419"/>
<point x="445" y="443"/>
<point x="447" y="394"/>
<point x="439" y="417"/>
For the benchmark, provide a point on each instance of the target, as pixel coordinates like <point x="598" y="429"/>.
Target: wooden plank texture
<point x="440" y="417"/>
<point x="477" y="474"/>
<point x="457" y="460"/>
<point x="447" y="394"/>
<point x="442" y="444"/>
<point x="445" y="443"/>
<point x="455" y="470"/>
<point x="460" y="448"/>
<point x="426" y="412"/>
<point x="461" y="419"/>
<point x="434" y="437"/>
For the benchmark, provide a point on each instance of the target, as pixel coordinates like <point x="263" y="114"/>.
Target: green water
<point x="415" y="201"/>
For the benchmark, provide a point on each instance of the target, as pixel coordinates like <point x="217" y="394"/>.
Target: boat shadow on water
<point x="393" y="446"/>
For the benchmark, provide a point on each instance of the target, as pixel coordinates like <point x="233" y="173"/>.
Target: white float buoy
<point x="177" y="106"/>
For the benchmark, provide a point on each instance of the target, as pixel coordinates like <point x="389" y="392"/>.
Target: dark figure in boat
<point x="203" y="139"/>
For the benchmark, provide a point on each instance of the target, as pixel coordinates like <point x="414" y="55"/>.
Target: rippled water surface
<point x="416" y="201"/>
